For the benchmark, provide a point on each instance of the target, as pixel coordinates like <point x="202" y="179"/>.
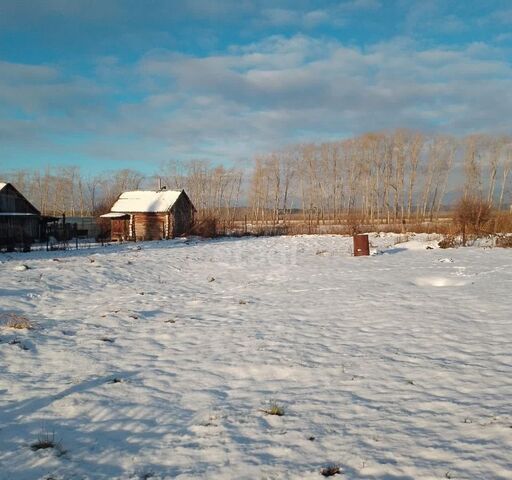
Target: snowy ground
<point x="156" y="362"/>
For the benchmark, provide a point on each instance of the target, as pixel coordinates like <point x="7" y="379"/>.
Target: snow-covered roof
<point x="2" y="185"/>
<point x="17" y="214"/>
<point x="147" y="201"/>
<point x="114" y="215"/>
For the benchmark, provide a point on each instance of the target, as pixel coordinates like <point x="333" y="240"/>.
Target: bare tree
<point x="507" y="167"/>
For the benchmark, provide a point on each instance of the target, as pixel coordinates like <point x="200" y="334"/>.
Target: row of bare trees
<point x="65" y="190"/>
<point x="384" y="176"/>
<point x="216" y="191"/>
<point x="380" y="176"/>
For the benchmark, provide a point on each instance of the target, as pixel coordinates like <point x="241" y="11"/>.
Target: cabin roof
<point x="18" y="214"/>
<point x="146" y="201"/>
<point x="28" y="205"/>
<point x="115" y="215"/>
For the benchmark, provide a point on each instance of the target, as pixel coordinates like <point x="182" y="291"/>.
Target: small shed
<point x="20" y="221"/>
<point x="151" y="215"/>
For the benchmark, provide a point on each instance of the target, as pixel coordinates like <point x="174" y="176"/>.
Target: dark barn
<point x="151" y="215"/>
<point x="20" y="221"/>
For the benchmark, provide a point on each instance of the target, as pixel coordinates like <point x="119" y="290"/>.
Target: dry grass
<point x="448" y="242"/>
<point x="470" y="215"/>
<point x="206" y="227"/>
<point x="17" y="322"/>
<point x="345" y="225"/>
<point x="274" y="409"/>
<point x="504" y="241"/>
<point x="46" y="440"/>
<point x="502" y="222"/>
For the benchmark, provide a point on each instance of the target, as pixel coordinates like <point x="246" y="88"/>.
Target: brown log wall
<point x="18" y="230"/>
<point x="150" y="226"/>
<point x="182" y="216"/>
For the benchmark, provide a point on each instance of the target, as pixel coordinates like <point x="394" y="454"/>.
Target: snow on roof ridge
<point x="151" y="191"/>
<point x="146" y="201"/>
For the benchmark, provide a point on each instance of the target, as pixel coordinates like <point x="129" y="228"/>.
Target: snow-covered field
<point x="155" y="360"/>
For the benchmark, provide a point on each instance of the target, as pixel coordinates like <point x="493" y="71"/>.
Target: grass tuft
<point x="330" y="470"/>
<point x="46" y="440"/>
<point x="115" y="380"/>
<point x="17" y="322"/>
<point x="274" y="409"/>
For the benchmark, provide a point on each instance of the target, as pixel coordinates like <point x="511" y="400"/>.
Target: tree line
<point x="390" y="176"/>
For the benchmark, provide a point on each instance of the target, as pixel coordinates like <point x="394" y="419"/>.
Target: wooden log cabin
<point x="151" y="215"/>
<point x="20" y="222"/>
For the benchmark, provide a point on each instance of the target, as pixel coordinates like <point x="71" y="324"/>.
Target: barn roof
<point x="18" y="214"/>
<point x="25" y="204"/>
<point x="146" y="201"/>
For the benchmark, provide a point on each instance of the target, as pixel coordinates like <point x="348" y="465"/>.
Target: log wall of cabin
<point x="14" y="229"/>
<point x="19" y="230"/>
<point x="150" y="226"/>
<point x="182" y="215"/>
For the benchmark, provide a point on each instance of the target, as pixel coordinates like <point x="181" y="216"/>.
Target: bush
<point x="502" y="222"/>
<point x="448" y="242"/>
<point x="105" y="226"/>
<point x="206" y="228"/>
<point x="354" y="224"/>
<point x="504" y="242"/>
<point x="471" y="216"/>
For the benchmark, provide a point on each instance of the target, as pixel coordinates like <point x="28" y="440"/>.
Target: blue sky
<point x="108" y="84"/>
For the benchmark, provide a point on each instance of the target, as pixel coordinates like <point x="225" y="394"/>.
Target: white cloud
<point x="13" y="73"/>
<point x="503" y="16"/>
<point x="330" y="14"/>
<point x="259" y="96"/>
<point x="362" y="5"/>
<point x="282" y="17"/>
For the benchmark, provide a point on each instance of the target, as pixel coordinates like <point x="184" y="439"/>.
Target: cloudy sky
<point x="109" y="84"/>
